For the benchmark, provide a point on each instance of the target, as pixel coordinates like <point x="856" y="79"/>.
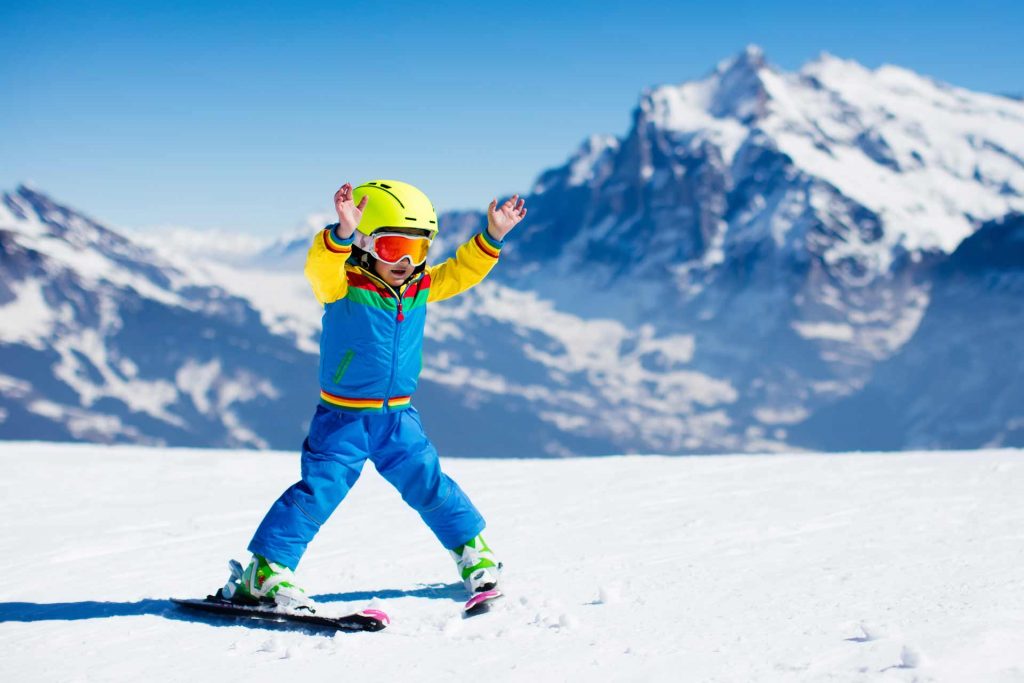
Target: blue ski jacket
<point x="371" y="346"/>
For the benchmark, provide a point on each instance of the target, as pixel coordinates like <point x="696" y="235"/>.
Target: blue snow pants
<point x="332" y="457"/>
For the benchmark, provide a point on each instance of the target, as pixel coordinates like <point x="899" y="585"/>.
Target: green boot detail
<point x="265" y="581"/>
<point x="478" y="567"/>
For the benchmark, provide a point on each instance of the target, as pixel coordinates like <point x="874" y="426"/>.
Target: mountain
<point x="109" y="340"/>
<point x="742" y="259"/>
<point x="789" y="224"/>
<point x="104" y="340"/>
<point x="958" y="382"/>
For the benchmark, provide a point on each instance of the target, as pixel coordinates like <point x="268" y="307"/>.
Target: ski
<point x="481" y="602"/>
<point x="366" y="620"/>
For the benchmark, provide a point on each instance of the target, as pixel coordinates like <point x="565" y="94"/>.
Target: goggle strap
<point x="364" y="241"/>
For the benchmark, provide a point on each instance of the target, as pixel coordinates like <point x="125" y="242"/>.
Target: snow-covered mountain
<point x="789" y="221"/>
<point x="959" y="380"/>
<point x="782" y="229"/>
<point x="789" y="224"/>
<point x="742" y="258"/>
<point x="108" y="340"/>
<point x="104" y="340"/>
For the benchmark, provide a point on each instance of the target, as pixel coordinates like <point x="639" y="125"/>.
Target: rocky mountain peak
<point x="736" y="90"/>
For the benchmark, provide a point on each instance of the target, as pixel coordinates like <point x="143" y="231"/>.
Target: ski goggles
<point x="394" y="247"/>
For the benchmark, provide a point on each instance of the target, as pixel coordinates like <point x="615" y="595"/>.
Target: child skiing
<point x="369" y="271"/>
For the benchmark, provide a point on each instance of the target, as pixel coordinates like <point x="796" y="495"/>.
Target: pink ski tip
<point x="378" y="615"/>
<point x="482" y="597"/>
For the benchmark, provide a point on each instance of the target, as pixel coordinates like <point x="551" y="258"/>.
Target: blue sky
<point x="248" y="116"/>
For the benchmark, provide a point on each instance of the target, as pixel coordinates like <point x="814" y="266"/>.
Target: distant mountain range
<point x="765" y="260"/>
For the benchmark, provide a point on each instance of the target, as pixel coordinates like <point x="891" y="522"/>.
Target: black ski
<point x="366" y="620"/>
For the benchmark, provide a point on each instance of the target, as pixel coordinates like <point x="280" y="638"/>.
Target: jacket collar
<point x="381" y="283"/>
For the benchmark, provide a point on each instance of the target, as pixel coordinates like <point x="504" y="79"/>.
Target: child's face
<point x="394" y="275"/>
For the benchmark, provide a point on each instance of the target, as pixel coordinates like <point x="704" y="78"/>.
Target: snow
<point x="197" y="380"/>
<point x="283" y="298"/>
<point x="13" y="387"/>
<point x="235" y="263"/>
<point x="796" y="567"/>
<point x="28" y="319"/>
<point x="629" y="370"/>
<point x="92" y="265"/>
<point x="583" y="166"/>
<point x="685" y="109"/>
<point x="940" y="138"/>
<point x="86" y="367"/>
<point x="821" y="330"/>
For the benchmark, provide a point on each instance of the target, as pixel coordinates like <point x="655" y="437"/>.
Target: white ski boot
<point x="478" y="567"/>
<point x="265" y="582"/>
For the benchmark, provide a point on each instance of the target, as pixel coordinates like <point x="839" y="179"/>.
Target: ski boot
<point x="265" y="582"/>
<point x="478" y="567"/>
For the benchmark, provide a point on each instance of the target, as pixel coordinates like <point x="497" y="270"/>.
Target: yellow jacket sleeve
<point x="469" y="266"/>
<point x="325" y="265"/>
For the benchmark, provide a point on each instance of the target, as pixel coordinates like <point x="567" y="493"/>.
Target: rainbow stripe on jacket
<point x="371" y="344"/>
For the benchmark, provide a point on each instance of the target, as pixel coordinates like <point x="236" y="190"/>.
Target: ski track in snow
<point x="863" y="567"/>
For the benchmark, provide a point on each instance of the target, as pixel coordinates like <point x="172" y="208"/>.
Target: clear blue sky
<point x="248" y="116"/>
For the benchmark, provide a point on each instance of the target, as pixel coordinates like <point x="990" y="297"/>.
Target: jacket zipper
<point x="394" y="355"/>
<point x="399" y="294"/>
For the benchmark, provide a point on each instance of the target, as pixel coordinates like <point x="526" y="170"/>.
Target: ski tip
<point x="481" y="602"/>
<point x="377" y="615"/>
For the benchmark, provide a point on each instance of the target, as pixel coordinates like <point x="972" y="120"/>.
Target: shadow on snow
<point x="90" y="609"/>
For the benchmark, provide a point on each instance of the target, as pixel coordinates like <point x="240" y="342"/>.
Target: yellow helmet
<point x="394" y="204"/>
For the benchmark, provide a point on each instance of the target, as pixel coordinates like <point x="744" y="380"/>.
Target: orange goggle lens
<point x="392" y="248"/>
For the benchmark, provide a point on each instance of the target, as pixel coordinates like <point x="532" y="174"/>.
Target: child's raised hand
<point x="501" y="219"/>
<point x="348" y="213"/>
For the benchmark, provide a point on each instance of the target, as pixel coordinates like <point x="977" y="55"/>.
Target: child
<point x="369" y="271"/>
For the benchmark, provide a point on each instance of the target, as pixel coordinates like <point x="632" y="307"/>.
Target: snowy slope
<point x="811" y="568"/>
